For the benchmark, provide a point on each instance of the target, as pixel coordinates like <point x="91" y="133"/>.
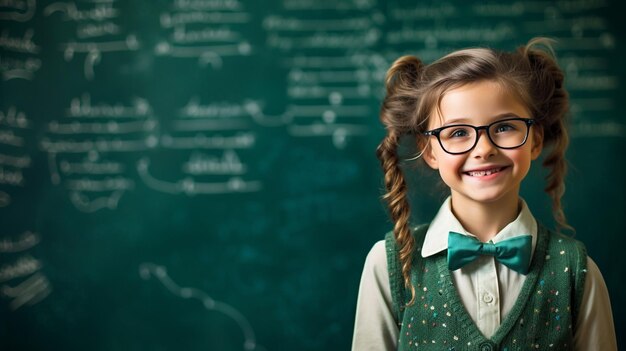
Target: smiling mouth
<point x="484" y="173"/>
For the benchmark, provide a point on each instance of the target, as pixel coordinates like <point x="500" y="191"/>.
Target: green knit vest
<point x="542" y="318"/>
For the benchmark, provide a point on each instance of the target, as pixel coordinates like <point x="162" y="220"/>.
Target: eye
<point x="504" y="127"/>
<point x="456" y="132"/>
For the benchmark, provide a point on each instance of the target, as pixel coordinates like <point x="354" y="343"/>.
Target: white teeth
<point x="484" y="173"/>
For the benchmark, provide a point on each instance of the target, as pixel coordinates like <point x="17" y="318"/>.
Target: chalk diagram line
<point x="148" y="270"/>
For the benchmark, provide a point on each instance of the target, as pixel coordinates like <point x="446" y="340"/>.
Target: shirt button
<point x="486" y="347"/>
<point x="488" y="298"/>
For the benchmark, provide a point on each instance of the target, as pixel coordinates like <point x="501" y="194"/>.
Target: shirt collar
<point x="436" y="239"/>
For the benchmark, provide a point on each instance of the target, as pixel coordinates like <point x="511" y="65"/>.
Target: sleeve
<point x="594" y="327"/>
<point x="375" y="327"/>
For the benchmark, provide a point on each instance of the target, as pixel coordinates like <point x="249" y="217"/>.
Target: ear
<point x="537" y="142"/>
<point x="429" y="155"/>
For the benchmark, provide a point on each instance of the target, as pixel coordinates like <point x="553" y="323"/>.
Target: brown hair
<point x="414" y="90"/>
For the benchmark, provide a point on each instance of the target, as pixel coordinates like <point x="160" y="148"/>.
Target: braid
<point x="551" y="103"/>
<point x="398" y="204"/>
<point x="398" y="115"/>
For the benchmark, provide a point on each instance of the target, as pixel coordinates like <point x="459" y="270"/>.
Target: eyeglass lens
<point x="504" y="134"/>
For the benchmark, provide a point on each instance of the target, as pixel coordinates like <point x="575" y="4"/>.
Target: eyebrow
<point x="465" y="120"/>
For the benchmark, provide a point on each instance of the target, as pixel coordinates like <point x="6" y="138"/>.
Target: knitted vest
<point x="542" y="318"/>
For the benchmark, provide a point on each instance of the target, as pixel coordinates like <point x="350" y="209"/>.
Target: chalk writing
<point x="200" y="163"/>
<point x="207" y="5"/>
<point x="30" y="291"/>
<point x="198" y="29"/>
<point x="241" y="140"/>
<point x="19" y="68"/>
<point x="11" y="177"/>
<point x="191" y="187"/>
<point x="89" y="205"/>
<point x="82" y="107"/>
<point x="148" y="270"/>
<point x="25" y="265"/>
<point x="170" y="20"/>
<point x="89" y="167"/>
<point x="111" y="127"/>
<point x="102" y="10"/>
<point x="477" y="33"/>
<point x="25" y="241"/>
<point x="8" y="137"/>
<point x="14" y="118"/>
<point x="22" y="44"/>
<point x="598" y="129"/>
<point x="323" y="40"/>
<point x="17" y="10"/>
<point x="329" y="4"/>
<point x="94" y="51"/>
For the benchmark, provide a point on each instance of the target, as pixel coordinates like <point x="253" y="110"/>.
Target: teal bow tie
<point x="514" y="252"/>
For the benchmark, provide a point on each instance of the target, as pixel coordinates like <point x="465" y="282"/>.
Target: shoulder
<point x="377" y="256"/>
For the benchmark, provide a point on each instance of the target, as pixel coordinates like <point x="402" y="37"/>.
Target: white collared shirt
<point x="488" y="289"/>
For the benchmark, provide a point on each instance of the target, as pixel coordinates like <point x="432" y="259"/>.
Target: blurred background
<point x="201" y="174"/>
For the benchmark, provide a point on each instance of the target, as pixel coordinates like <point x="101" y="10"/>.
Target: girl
<point x="483" y="274"/>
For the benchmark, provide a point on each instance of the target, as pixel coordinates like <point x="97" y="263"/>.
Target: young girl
<point x="483" y="274"/>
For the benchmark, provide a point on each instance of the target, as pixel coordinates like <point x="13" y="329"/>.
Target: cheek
<point x="522" y="161"/>
<point x="450" y="167"/>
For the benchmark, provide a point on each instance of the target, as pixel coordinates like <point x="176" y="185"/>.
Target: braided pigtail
<point x="551" y="102"/>
<point x="397" y="115"/>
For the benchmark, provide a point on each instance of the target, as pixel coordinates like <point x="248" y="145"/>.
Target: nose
<point x="484" y="147"/>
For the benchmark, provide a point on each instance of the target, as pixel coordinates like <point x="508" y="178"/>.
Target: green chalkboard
<point x="201" y="174"/>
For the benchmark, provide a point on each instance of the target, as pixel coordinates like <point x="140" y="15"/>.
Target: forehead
<point x="477" y="103"/>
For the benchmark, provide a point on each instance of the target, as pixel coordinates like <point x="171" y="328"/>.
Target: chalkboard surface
<point x="200" y="174"/>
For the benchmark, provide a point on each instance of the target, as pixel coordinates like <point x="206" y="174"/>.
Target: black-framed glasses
<point x="509" y="133"/>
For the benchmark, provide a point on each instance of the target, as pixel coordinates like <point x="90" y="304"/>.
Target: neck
<point x="485" y="219"/>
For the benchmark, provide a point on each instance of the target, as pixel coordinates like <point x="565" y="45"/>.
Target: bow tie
<point x="513" y="253"/>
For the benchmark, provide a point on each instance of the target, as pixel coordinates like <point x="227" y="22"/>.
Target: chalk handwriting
<point x="83" y="107"/>
<point x="323" y="40"/>
<point x="199" y="5"/>
<point x="24" y="44"/>
<point x="7" y="137"/>
<point x="500" y="10"/>
<point x="200" y="163"/>
<point x="89" y="205"/>
<point x="19" y="68"/>
<point x="88" y="167"/>
<point x="91" y="30"/>
<point x="149" y="270"/>
<point x="208" y="54"/>
<point x="94" y="51"/>
<point x="476" y="33"/>
<point x="25" y="241"/>
<point x="193" y="108"/>
<point x="15" y="161"/>
<point x="11" y="177"/>
<point x="30" y="291"/>
<point x="329" y="4"/>
<point x="23" y="10"/>
<point x="14" y="118"/>
<point x="295" y="24"/>
<point x="241" y="140"/>
<point x="101" y="145"/>
<point x="102" y="10"/>
<point x="98" y="185"/>
<point x="598" y="129"/>
<point x="170" y="20"/>
<point x="25" y="265"/>
<point x="110" y="127"/>
<point x="191" y="187"/>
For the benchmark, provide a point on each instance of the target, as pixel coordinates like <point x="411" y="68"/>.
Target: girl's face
<point x="480" y="104"/>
